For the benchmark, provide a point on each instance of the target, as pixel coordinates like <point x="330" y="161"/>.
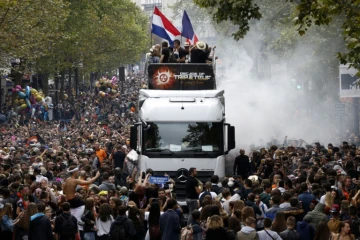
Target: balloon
<point x="18" y="109"/>
<point x="32" y="99"/>
<point x="38" y="98"/>
<point x="28" y="102"/>
<point x="23" y="106"/>
<point x="13" y="90"/>
<point x="33" y="91"/>
<point x="18" y="87"/>
<point x="21" y="101"/>
<point x="107" y="90"/>
<point x="27" y="91"/>
<point x="21" y="95"/>
<point x="17" y="101"/>
<point x="102" y="94"/>
<point x="48" y="99"/>
<point x="66" y="96"/>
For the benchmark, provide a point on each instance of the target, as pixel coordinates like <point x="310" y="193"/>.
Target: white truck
<point x="179" y="129"/>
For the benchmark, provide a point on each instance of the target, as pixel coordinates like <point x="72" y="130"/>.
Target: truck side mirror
<point x="133" y="137"/>
<point x="231" y="138"/>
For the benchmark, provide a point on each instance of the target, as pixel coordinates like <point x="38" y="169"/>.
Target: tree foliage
<point x="54" y="36"/>
<point x="238" y="12"/>
<point x="307" y="14"/>
<point x="29" y="28"/>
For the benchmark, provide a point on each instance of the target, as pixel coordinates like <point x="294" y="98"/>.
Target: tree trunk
<point x="70" y="88"/>
<point x="62" y="85"/>
<point x="76" y="82"/>
<point x="56" y="81"/>
<point x="45" y="84"/>
<point x="91" y="81"/>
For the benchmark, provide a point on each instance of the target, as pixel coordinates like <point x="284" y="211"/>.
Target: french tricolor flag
<point x="163" y="28"/>
<point x="187" y="30"/>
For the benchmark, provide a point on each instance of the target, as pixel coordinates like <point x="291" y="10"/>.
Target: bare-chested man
<point x="71" y="184"/>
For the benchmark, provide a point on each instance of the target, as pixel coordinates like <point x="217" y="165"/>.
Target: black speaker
<point x="121" y="74"/>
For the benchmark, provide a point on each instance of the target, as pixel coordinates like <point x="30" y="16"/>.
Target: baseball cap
<point x="335" y="208"/>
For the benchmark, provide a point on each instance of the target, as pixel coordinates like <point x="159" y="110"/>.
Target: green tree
<point x="345" y="15"/>
<point x="28" y="29"/>
<point x="99" y="35"/>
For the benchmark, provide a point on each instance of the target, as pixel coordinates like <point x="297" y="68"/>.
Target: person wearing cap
<point x="334" y="222"/>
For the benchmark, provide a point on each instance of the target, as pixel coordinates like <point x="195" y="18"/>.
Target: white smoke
<point x="268" y="106"/>
<point x="265" y="107"/>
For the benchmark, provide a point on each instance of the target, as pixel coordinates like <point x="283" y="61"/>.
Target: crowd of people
<point x="197" y="53"/>
<point x="74" y="178"/>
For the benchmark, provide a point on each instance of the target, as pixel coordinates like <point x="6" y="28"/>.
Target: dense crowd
<point x="76" y="178"/>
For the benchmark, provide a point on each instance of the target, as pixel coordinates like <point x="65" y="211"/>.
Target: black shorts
<point x="75" y="202"/>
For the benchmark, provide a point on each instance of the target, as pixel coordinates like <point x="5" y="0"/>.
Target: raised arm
<point x="88" y="182"/>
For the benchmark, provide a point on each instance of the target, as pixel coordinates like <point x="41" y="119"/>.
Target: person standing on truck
<point x="192" y="190"/>
<point x="242" y="165"/>
<point x="179" y="52"/>
<point x="165" y="53"/>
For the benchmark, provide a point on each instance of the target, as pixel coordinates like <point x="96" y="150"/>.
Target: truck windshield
<point x="183" y="137"/>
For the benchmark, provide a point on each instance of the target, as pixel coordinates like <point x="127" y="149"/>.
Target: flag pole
<point x="151" y="20"/>
<point x="181" y="35"/>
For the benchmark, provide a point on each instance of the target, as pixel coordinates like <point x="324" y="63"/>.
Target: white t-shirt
<point x="103" y="227"/>
<point x="322" y="199"/>
<point x="213" y="195"/>
<point x="285" y="205"/>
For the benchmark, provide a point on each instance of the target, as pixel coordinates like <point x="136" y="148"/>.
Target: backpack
<point x="187" y="232"/>
<point x="117" y="230"/>
<point x="206" y="193"/>
<point x="67" y="226"/>
<point x="154" y="232"/>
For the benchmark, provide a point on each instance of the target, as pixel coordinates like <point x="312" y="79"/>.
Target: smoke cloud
<point x="265" y="100"/>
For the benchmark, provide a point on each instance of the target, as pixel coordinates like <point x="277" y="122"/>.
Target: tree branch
<point x="3" y="18"/>
<point x="25" y="9"/>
